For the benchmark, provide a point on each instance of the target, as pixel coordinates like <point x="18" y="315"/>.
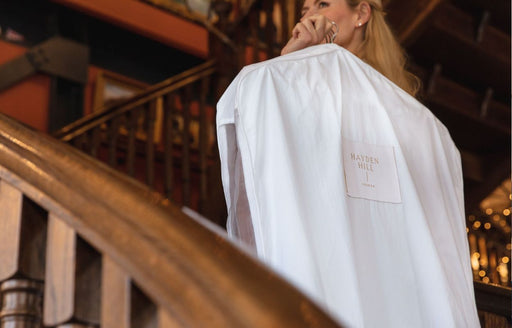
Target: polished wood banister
<point x="190" y="271"/>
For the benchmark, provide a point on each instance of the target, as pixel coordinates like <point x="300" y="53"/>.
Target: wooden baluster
<point x="432" y="81"/>
<point x="169" y="112"/>
<point x="133" y="125"/>
<point x="226" y="58"/>
<point x="115" y="296"/>
<point x="95" y="141"/>
<point x="73" y="278"/>
<point x="165" y="320"/>
<point x="240" y="41"/>
<point x="11" y="200"/>
<point x="22" y="262"/>
<point x="298" y="14"/>
<point x="482" y="26"/>
<point x="186" y="145"/>
<point x="493" y="263"/>
<point x="80" y="142"/>
<point x="150" y="143"/>
<point x="284" y="22"/>
<point x="268" y="7"/>
<point x="113" y="133"/>
<point x="203" y="143"/>
<point x="146" y="314"/>
<point x="254" y="26"/>
<point x="122" y="154"/>
<point x="484" y="107"/>
<point x="118" y="303"/>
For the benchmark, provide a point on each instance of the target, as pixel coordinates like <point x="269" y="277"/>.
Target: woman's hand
<point x="309" y="32"/>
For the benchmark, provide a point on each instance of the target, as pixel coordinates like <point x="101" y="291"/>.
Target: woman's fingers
<point x="316" y="25"/>
<point x="310" y="31"/>
<point x="298" y="40"/>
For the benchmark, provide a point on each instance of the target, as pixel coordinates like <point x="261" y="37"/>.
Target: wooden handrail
<point x="192" y="272"/>
<point x="158" y="136"/>
<point x="494" y="299"/>
<point x="87" y="122"/>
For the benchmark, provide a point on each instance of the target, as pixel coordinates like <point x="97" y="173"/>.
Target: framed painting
<point x="111" y="88"/>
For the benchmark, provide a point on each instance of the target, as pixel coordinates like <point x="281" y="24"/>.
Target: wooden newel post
<point x="21" y="303"/>
<point x="227" y="66"/>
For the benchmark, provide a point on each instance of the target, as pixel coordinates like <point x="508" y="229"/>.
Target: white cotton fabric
<point x="281" y="126"/>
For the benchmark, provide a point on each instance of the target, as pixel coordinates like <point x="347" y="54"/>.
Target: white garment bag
<point x="349" y="188"/>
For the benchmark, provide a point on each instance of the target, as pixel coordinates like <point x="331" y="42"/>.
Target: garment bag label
<point x="370" y="172"/>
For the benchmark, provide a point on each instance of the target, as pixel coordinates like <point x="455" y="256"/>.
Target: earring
<point x="359" y="24"/>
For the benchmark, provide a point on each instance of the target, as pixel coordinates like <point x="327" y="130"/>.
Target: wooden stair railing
<point x="103" y="250"/>
<point x="149" y="136"/>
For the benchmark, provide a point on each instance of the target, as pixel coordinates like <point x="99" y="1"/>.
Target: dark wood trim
<point x="493" y="298"/>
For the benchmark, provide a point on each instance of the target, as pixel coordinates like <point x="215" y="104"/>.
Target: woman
<point x="344" y="183"/>
<point x="361" y="29"/>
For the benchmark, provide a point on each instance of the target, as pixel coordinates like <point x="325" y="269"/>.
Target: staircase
<point x="131" y="257"/>
<point x="97" y="248"/>
<point x="164" y="136"/>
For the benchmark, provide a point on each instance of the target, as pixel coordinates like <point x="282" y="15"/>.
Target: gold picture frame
<point x="111" y="88"/>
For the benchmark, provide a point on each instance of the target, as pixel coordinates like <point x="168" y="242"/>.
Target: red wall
<point x="28" y="100"/>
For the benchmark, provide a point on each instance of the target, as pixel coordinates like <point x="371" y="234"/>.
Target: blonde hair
<point x="381" y="50"/>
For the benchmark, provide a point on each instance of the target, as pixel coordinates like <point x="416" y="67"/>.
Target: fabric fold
<point x="325" y="142"/>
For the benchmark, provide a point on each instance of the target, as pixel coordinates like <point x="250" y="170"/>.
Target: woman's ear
<point x="364" y="11"/>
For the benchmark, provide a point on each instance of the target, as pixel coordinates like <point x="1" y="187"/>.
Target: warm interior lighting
<point x="474" y="261"/>
<point x="491" y="236"/>
<point x="503" y="271"/>
<point x="482" y="247"/>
